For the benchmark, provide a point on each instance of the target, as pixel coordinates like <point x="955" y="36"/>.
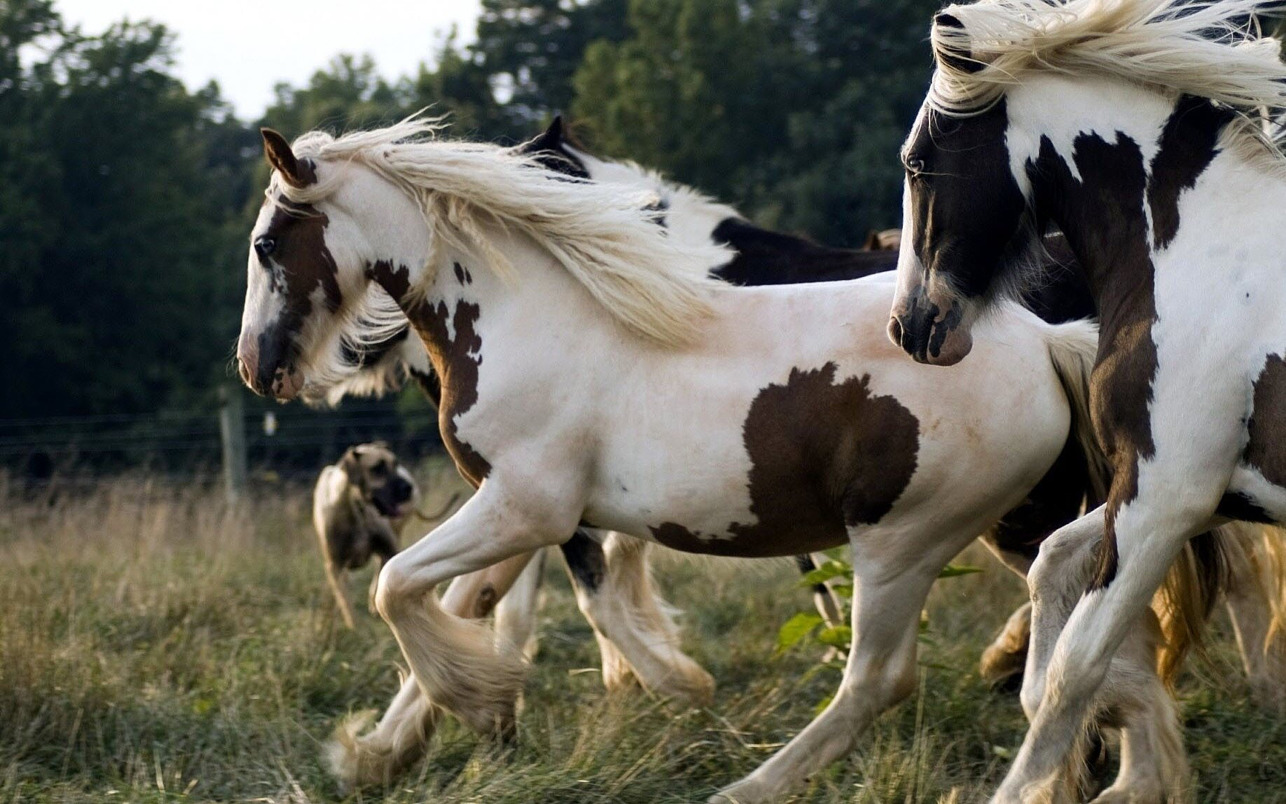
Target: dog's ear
<point x="351" y="463"/>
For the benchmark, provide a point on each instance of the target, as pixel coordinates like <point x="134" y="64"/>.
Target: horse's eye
<point x="914" y="165"/>
<point x="265" y="245"/>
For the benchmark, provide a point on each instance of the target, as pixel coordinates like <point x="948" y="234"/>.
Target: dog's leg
<point x="383" y="546"/>
<point x="337" y="579"/>
<point x="1004" y="659"/>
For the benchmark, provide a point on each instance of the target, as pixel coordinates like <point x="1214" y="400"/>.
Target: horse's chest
<point x="824" y="456"/>
<point x="454" y="344"/>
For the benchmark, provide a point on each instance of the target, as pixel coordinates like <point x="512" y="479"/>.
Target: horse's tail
<point x="1194" y="584"/>
<point x="1073" y="349"/>
<point x="1272" y="576"/>
<point x="1249" y="555"/>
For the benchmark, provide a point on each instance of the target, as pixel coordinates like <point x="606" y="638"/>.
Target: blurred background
<point x="130" y="176"/>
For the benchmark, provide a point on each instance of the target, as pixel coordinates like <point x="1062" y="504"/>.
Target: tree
<point x="791" y="108"/>
<point x="111" y="301"/>
<point x="531" y="48"/>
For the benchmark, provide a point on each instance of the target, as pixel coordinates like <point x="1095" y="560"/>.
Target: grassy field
<point x="157" y="645"/>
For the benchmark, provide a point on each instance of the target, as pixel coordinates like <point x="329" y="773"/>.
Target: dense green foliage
<point x="125" y="197"/>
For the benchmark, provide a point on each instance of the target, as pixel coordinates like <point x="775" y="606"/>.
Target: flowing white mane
<point x="673" y="198"/>
<point x="1201" y="48"/>
<point x="599" y="233"/>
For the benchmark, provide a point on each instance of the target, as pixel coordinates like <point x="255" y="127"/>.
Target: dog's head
<point x="374" y="471"/>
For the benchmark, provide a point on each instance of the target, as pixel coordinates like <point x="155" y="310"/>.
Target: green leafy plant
<point x="809" y="627"/>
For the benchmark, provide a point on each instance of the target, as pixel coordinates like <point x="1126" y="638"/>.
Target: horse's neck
<point x="454" y="302"/>
<point x="1107" y="166"/>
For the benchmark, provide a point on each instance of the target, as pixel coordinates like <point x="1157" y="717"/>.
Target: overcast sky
<point x="248" y="46"/>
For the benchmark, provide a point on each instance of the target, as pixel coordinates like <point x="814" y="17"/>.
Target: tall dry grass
<point x="158" y="644"/>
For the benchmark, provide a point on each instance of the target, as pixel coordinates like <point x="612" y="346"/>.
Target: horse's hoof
<point x="1003" y="670"/>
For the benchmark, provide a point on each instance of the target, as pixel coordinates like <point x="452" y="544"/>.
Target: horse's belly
<point x="813" y="456"/>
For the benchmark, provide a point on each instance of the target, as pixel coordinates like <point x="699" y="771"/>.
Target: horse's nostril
<point x="895" y="330"/>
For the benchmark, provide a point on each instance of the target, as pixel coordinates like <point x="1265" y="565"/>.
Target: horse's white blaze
<point x="262" y="306"/>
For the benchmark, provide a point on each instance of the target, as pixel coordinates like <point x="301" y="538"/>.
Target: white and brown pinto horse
<point x="609" y="381"/>
<point x="1130" y="126"/>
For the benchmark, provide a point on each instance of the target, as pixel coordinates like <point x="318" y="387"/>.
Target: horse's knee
<point x="396" y="586"/>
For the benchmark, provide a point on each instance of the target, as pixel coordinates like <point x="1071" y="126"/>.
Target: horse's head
<point x="963" y="214"/>
<point x="305" y="276"/>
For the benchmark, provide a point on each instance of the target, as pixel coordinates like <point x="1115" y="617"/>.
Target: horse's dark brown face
<point x="962" y="214"/>
<point x="292" y="281"/>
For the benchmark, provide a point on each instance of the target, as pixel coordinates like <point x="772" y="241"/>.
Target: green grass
<point x="157" y="645"/>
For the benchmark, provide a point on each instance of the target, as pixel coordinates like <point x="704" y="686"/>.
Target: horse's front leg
<point x="457" y="662"/>
<point x="1064" y="682"/>
<point x="402" y="734"/>
<point x="880" y="672"/>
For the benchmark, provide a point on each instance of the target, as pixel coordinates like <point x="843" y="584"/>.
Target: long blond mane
<point x="600" y="234"/>
<point x="1199" y="48"/>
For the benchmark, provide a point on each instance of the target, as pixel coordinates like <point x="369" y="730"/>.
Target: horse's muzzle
<point x="930" y="336"/>
<point x="267" y="377"/>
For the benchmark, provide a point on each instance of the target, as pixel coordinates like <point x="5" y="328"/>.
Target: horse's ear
<point x="551" y="139"/>
<point x="952" y="53"/>
<point x="293" y="171"/>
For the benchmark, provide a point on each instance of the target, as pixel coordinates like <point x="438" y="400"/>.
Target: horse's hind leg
<point x="888" y="595"/>
<point x="1003" y="661"/>
<point x="614" y="590"/>
<point x="516" y="611"/>
<point x="1154" y="767"/>
<point x="402" y="734"/>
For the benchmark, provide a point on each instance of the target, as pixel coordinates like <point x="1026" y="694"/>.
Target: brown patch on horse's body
<point x="824" y="456"/>
<point x="1116" y="185"/>
<point x="1119" y="269"/>
<point x="455" y="360"/>
<point x="1265" y="450"/>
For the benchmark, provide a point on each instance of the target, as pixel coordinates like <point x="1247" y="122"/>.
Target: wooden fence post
<point x="232" y="434"/>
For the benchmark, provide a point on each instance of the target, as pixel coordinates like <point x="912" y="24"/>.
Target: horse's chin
<point x="288" y="384"/>
<point x="955" y="348"/>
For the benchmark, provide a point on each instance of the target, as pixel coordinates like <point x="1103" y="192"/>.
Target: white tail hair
<point x="602" y="236"/>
